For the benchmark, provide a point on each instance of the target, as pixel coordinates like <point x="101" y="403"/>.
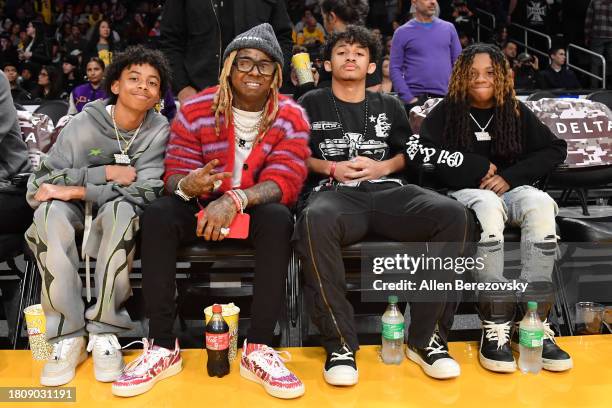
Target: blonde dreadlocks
<point x="506" y="140"/>
<point x="222" y="103"/>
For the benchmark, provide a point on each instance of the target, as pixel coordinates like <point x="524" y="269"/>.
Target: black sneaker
<point x="553" y="358"/>
<point x="340" y="367"/>
<point x="495" y="352"/>
<point x="434" y="359"/>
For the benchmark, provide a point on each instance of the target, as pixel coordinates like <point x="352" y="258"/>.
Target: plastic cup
<point x="230" y="313"/>
<point x="303" y="70"/>
<point x="35" y="321"/>
<point x="589" y="318"/>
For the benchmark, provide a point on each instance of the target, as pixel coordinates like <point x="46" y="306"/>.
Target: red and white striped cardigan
<point x="280" y="156"/>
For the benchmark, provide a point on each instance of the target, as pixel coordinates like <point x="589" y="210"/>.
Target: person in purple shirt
<point x="89" y="91"/>
<point x="423" y="52"/>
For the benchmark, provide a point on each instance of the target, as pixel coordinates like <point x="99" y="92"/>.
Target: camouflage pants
<point x="111" y="241"/>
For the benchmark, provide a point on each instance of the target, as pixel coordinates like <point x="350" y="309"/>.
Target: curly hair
<point x="349" y="11"/>
<point x="353" y="35"/>
<point x="506" y="136"/>
<point x="222" y="102"/>
<point x="137" y="55"/>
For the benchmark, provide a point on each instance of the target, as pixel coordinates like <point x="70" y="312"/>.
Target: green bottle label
<point x="393" y="331"/>
<point x="531" y="338"/>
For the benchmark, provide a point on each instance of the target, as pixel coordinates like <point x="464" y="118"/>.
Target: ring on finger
<point x="224" y="230"/>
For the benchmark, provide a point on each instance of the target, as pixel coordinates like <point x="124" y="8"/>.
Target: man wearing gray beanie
<point x="237" y="149"/>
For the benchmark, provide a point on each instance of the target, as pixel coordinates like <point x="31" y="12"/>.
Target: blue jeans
<point x="526" y="207"/>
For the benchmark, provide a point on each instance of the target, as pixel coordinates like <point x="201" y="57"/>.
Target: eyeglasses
<point x="246" y="65"/>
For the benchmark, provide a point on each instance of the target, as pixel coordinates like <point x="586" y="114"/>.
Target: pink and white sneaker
<point x="266" y="366"/>
<point x="154" y="364"/>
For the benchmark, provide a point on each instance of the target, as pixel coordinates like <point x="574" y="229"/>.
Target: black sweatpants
<point x="343" y="216"/>
<point x="15" y="213"/>
<point x="169" y="222"/>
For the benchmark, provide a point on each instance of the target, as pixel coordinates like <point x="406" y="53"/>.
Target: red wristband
<point x="235" y="199"/>
<point x="332" y="171"/>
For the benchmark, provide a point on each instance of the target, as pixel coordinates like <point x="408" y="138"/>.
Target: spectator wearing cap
<point x="89" y="91"/>
<point x="19" y="94"/>
<point x="526" y="71"/>
<point x="194" y="35"/>
<point x="72" y="73"/>
<point x="237" y="146"/>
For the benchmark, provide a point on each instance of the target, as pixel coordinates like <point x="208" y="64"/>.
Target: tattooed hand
<point x="217" y="214"/>
<point x="202" y="180"/>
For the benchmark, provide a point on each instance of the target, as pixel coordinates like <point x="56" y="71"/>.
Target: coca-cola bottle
<point x="217" y="344"/>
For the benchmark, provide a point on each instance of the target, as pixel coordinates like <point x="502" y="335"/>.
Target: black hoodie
<point x="542" y="151"/>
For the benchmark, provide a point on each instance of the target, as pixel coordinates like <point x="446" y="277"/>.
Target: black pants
<point x="343" y="216"/>
<point x="15" y="213"/>
<point x="170" y="222"/>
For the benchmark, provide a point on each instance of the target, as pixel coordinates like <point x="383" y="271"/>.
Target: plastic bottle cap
<point x="532" y="305"/>
<point x="392" y="299"/>
<point x="217" y="309"/>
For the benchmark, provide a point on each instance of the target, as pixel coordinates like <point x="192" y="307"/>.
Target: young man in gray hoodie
<point x="100" y="174"/>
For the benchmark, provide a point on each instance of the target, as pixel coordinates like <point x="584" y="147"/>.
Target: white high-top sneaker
<point x="107" y="357"/>
<point x="66" y="356"/>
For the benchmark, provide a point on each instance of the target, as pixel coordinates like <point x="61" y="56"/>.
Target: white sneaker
<point x="67" y="354"/>
<point x="107" y="357"/>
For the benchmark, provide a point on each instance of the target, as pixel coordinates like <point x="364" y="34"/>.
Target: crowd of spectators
<point x="46" y="47"/>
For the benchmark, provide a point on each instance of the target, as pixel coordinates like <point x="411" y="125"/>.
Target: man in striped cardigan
<point x="238" y="146"/>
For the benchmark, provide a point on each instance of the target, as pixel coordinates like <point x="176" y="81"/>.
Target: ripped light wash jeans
<point x="526" y="207"/>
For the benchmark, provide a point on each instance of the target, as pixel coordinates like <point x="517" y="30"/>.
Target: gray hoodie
<point x="88" y="143"/>
<point x="13" y="150"/>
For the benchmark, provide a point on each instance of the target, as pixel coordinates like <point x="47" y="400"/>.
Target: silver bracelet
<point x="179" y="192"/>
<point x="243" y="197"/>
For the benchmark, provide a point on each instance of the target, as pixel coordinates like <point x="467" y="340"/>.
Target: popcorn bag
<point x="35" y="320"/>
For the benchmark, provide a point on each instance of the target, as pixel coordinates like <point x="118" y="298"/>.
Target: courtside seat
<point x="202" y="251"/>
<point x="576" y="227"/>
<point x="16" y="293"/>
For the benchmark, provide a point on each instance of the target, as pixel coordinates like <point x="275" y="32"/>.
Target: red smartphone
<point x="239" y="228"/>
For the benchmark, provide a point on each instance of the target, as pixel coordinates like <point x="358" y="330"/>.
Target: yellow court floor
<point x="589" y="384"/>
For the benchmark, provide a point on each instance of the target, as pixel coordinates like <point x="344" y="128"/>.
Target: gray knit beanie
<point x="260" y="37"/>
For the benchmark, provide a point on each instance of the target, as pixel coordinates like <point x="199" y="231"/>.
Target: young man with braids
<point x="357" y="188"/>
<point x="238" y="146"/>
<point x="504" y="149"/>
